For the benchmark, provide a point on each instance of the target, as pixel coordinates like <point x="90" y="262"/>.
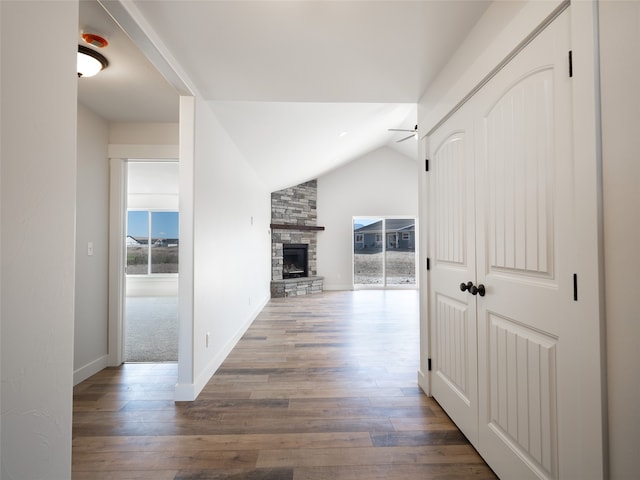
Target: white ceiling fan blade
<point x="399" y="130"/>
<point x="406" y="138"/>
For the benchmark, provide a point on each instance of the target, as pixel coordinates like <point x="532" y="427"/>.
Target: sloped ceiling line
<point x="301" y="86"/>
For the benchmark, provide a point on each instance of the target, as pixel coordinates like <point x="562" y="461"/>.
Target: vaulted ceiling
<point x="311" y="83"/>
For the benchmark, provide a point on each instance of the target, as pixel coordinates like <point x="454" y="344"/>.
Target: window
<point x="376" y="264"/>
<point x="152" y="242"/>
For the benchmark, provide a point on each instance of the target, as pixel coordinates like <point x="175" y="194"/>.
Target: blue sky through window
<point x="138" y="223"/>
<point x="163" y="224"/>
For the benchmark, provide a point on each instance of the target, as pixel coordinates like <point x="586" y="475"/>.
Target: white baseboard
<point x="185" y="392"/>
<point x="91" y="368"/>
<point x="189" y="392"/>
<point x="423" y="382"/>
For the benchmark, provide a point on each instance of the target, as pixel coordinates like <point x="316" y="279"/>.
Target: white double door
<point x="501" y="195"/>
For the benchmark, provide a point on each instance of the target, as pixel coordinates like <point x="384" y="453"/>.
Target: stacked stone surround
<point x="292" y="287"/>
<point x="294" y="207"/>
<point x="280" y="237"/>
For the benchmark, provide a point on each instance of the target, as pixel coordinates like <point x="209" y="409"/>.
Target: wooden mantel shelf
<point x="283" y="226"/>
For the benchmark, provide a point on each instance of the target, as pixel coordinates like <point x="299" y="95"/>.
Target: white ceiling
<point x="130" y="89"/>
<point x="286" y="78"/>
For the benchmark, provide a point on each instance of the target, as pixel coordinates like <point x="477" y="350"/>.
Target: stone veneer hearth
<point x="294" y="220"/>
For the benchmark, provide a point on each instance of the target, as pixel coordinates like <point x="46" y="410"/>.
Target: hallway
<point x="320" y="387"/>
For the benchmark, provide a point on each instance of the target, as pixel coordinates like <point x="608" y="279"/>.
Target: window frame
<point x="149" y="245"/>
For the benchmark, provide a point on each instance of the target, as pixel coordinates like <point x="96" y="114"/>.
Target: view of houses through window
<point x="384" y="251"/>
<point x="152" y="242"/>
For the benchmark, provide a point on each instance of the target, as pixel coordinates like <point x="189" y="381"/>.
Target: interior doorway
<point x="151" y="263"/>
<point x="384" y="252"/>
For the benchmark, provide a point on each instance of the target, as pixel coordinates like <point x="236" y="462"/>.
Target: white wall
<point x="143" y="133"/>
<point x="381" y="183"/>
<point x="143" y="140"/>
<point x="92" y="225"/>
<point x="38" y="198"/>
<point x="1" y="135"/>
<point x="620" y="76"/>
<point x="231" y="244"/>
<point x="95" y="137"/>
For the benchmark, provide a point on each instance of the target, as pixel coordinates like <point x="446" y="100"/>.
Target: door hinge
<point x="429" y="364"/>
<point x="426" y="164"/>
<point x="575" y="287"/>
<point x="428" y="264"/>
<point x="570" y="63"/>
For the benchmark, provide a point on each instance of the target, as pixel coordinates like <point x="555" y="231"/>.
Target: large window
<point x="152" y="242"/>
<point x="383" y="264"/>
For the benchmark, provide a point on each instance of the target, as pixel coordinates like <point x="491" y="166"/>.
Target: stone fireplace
<point x="293" y="241"/>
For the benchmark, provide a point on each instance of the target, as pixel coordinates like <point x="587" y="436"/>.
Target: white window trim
<point x="150" y="212"/>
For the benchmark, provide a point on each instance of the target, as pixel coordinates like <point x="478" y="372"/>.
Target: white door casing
<point x="521" y="250"/>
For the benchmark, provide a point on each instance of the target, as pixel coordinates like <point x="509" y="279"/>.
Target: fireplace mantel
<point x="286" y="226"/>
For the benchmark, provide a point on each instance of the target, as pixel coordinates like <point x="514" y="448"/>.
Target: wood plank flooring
<point x="320" y="387"/>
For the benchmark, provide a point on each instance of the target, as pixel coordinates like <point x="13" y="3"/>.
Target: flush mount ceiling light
<point x="90" y="62"/>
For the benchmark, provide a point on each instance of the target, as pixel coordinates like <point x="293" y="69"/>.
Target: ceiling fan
<point x="414" y="133"/>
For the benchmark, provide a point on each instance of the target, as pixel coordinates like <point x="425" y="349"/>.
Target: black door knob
<point x="466" y="286"/>
<point x="479" y="290"/>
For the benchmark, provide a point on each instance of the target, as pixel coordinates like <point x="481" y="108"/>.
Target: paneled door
<point x="452" y="240"/>
<point x="502" y="202"/>
<point x="524" y="259"/>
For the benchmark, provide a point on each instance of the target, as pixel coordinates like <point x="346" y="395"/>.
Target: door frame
<point x="119" y="156"/>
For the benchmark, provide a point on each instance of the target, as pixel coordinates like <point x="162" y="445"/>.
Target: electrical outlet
<point x="90" y="248"/>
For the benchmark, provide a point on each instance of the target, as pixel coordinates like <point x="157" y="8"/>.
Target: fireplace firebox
<point x="294" y="260"/>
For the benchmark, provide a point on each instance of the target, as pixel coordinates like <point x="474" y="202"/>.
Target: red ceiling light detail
<point x="95" y="40"/>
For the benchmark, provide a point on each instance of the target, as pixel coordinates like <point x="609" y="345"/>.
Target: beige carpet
<point x="151" y="329"/>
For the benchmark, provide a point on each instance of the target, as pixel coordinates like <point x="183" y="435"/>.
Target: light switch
<point x="90" y="248"/>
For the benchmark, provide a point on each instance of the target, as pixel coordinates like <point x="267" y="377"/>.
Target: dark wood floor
<point x="320" y="387"/>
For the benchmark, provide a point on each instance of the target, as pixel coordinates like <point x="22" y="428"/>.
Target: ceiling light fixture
<point x="90" y="62"/>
